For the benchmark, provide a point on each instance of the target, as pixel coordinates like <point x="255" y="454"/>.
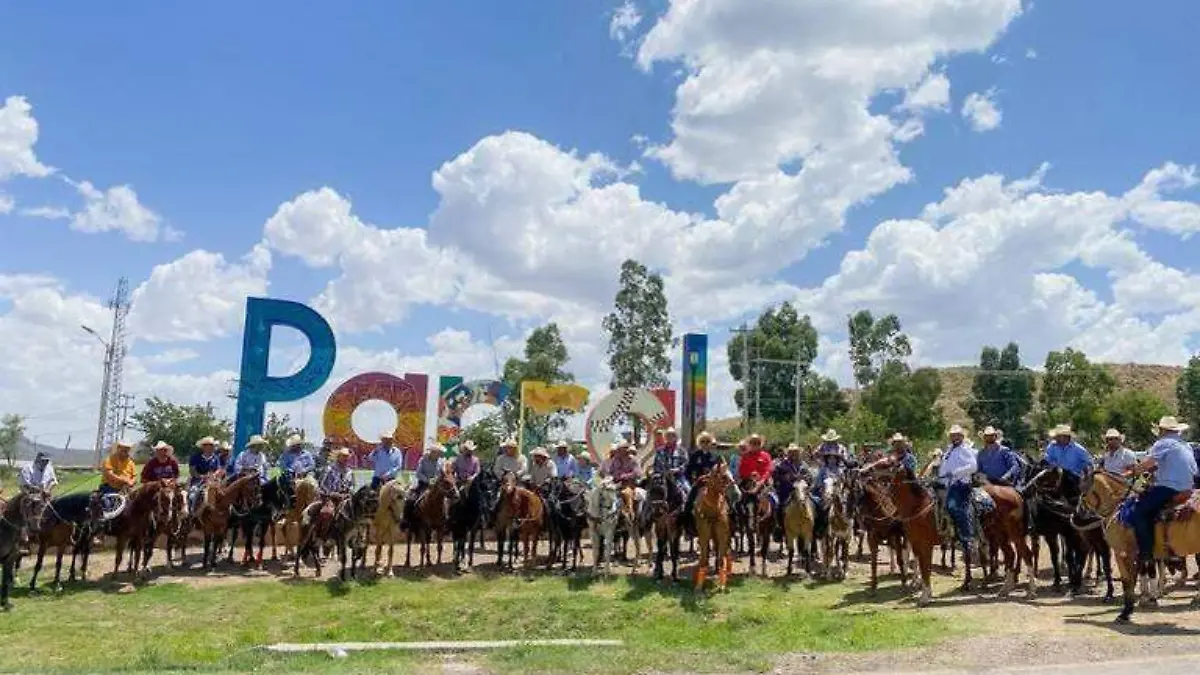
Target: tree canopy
<point x="1187" y="392"/>
<point x="12" y="427"/>
<point x="1002" y="394"/>
<point x="545" y="360"/>
<point x="180" y="425"/>
<point x="1134" y="413"/>
<point x="874" y="342"/>
<point x="639" y="330"/>
<point x="906" y="400"/>
<point x="1074" y="391"/>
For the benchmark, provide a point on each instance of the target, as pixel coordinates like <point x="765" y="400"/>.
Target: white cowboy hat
<point x="897" y="438"/>
<point x="1062" y="430"/>
<point x="561" y="444"/>
<point x="508" y="443"/>
<point x="583" y="457"/>
<point x="255" y="440"/>
<point x="1113" y="433"/>
<point x="435" y="447"/>
<point x="162" y="445"/>
<point x="225" y="445"/>
<point x="468" y="446"/>
<point x="123" y="444"/>
<point x="989" y="431"/>
<point x="670" y="431"/>
<point x="386" y="437"/>
<point x="294" y="440"/>
<point x="207" y="440"/>
<point x="956" y="429"/>
<point x="754" y="438"/>
<point x="341" y="452"/>
<point x="830" y="436"/>
<point x="1169" y="423"/>
<point x="540" y="452"/>
<point x="622" y="444"/>
<point x="705" y="436"/>
<point x="791" y="447"/>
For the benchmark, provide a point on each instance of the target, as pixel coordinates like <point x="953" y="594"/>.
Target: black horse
<point x="1053" y="522"/>
<point x="277" y="497"/>
<point x="71" y="520"/>
<point x="567" y="518"/>
<point x="343" y="519"/>
<point x="22" y="513"/>
<point x="664" y="506"/>
<point x="470" y="513"/>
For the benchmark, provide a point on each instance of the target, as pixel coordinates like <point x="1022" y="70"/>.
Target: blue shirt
<point x="669" y="461"/>
<point x="251" y="460"/>
<point x="1176" y="463"/>
<point x="296" y="463"/>
<point x="200" y="466"/>
<point x="998" y="463"/>
<point x="909" y="461"/>
<point x="1072" y="458"/>
<point x="387" y="462"/>
<point x="565" y="466"/>
<point x="585" y="473"/>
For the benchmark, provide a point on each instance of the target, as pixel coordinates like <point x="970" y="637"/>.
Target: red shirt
<point x="755" y="464"/>
<point x="154" y="470"/>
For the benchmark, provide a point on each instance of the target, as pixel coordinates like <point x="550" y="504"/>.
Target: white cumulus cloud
<point x="981" y="110"/>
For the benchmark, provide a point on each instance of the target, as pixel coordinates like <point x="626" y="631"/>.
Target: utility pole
<point x="745" y="333"/>
<point x="125" y="406"/>
<point x="796" y="410"/>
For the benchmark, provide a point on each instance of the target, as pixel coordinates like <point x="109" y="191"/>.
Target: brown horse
<point x="135" y="527"/>
<point x="430" y="516"/>
<point x="306" y="494"/>
<point x="881" y="520"/>
<point x="213" y="515"/>
<point x="915" y="511"/>
<point x="520" y="516"/>
<point x="71" y="521"/>
<point x="1004" y="530"/>
<point x="387" y="521"/>
<point x="762" y="526"/>
<point x="799" y="519"/>
<point x="711" y="517"/>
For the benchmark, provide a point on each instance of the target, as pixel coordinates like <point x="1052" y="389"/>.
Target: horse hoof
<point x="1108" y="600"/>
<point x="1121" y="619"/>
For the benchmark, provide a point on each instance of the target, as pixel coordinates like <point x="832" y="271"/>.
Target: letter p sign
<point x="256" y="388"/>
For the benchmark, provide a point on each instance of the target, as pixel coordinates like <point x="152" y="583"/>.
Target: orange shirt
<point x="124" y="468"/>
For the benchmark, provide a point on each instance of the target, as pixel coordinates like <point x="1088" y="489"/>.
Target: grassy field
<point x="183" y="628"/>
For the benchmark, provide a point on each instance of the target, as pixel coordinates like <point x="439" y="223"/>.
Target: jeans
<point x="958" y="503"/>
<point x="106" y="489"/>
<point x="376" y="482"/>
<point x="1145" y="512"/>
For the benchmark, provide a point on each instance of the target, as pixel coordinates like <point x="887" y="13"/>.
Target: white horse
<point x="603" y="510"/>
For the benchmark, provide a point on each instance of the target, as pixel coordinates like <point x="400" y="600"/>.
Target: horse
<point x="429" y="515"/>
<point x="22" y="513"/>
<point x="345" y="520"/>
<point x="276" y="499"/>
<point x="1054" y="522"/>
<point x="179" y="526"/>
<point x="388" y="517"/>
<point x="171" y="498"/>
<point x="711" y="517"/>
<point x="915" y="510"/>
<point x="760" y="524"/>
<point x="798" y="523"/>
<point x="603" y="510"/>
<point x="629" y="522"/>
<point x="148" y="504"/>
<point x="664" y="504"/>
<point x="567" y="519"/>
<point x="520" y="516"/>
<point x="835" y="543"/>
<point x="305" y="494"/>
<point x="880" y="518"/>
<point x="468" y="516"/>
<point x="68" y="520"/>
<point x="213" y="516"/>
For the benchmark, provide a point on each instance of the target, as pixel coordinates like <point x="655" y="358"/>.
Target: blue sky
<point x="217" y="114"/>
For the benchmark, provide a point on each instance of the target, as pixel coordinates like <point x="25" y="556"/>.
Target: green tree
<point x="639" y="330"/>
<point x="906" y="400"/>
<point x="1187" y="392"/>
<point x="781" y="334"/>
<point x="12" y="428"/>
<point x="278" y="430"/>
<point x="874" y="342"/>
<point x="1002" y="394"/>
<point x="545" y="360"/>
<point x="859" y="425"/>
<point x="1074" y="391"/>
<point x="487" y="433"/>
<point x="1134" y="413"/>
<point x="180" y="425"/>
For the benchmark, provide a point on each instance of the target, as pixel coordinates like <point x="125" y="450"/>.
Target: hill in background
<point x="957" y="380"/>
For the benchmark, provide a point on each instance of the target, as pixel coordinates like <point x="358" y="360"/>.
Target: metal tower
<point x="112" y="401"/>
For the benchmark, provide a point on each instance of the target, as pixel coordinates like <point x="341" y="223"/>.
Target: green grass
<point x="178" y="627"/>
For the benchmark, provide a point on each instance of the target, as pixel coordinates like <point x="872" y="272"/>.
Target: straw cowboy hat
<point x="956" y="430"/>
<point x="123" y="444"/>
<point x="207" y="440"/>
<point x="1113" y="433"/>
<point x="1062" y="430"/>
<point x="754" y="438"/>
<point x="792" y="447"/>
<point x="341" y="452"/>
<point x="831" y="436"/>
<point x="540" y="452"/>
<point x="670" y="431"/>
<point x="436" y="447"/>
<point x="225" y="445"/>
<point x="508" y="443"/>
<point x="256" y="440"/>
<point x="989" y="431"/>
<point x="622" y="444"/>
<point x="897" y="438"/>
<point x="468" y="446"/>
<point x="1169" y="423"/>
<point x="386" y="437"/>
<point x="561" y="444"/>
<point x="705" y="436"/>
<point x="162" y="445"/>
<point x="294" y="440"/>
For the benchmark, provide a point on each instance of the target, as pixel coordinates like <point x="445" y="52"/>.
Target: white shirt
<point x="540" y="473"/>
<point x="508" y="464"/>
<point x="1119" y="460"/>
<point x="958" y="464"/>
<point x="39" y="478"/>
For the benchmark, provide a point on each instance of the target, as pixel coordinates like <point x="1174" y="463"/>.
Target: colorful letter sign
<point x="654" y="408"/>
<point x="456" y="396"/>
<point x="255" y="387"/>
<point x="695" y="387"/>
<point x="407" y="398"/>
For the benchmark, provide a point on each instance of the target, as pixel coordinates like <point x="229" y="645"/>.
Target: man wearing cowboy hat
<point x="253" y="459"/>
<point x="202" y="465"/>
<point x="1174" y="467"/>
<point x="671" y="460"/>
<point x="162" y="466"/>
<point x="338" y="478"/>
<point x="586" y="472"/>
<point x="225" y="454"/>
<point x="296" y="460"/>
<point x="1074" y="459"/>
<point x="789" y="469"/>
<point x="702" y="458"/>
<point x="959" y="464"/>
<point x="565" y="466"/>
<point x="997" y="463"/>
<point x="386" y="462"/>
<point x="755" y="463"/>
<point x="542" y="469"/>
<point x="466" y="464"/>
<point x="902" y="454"/>
<point x="622" y="467"/>
<point x="431" y="466"/>
<point x="1117" y="458"/>
<point x="510" y="460"/>
<point x="119" y="473"/>
<point x="831" y="445"/>
<point x="39" y="474"/>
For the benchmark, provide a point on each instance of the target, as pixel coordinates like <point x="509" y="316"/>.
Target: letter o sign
<point x="401" y="395"/>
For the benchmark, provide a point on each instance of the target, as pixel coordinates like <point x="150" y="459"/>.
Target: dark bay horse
<point x="1057" y="520"/>
<point x="345" y="520"/>
<point x="428" y="518"/>
<point x="664" y="505"/>
<point x="567" y="518"/>
<point x="134" y="529"/>
<point x="469" y="514"/>
<point x="22" y="513"/>
<point x="277" y="497"/>
<point x="70" y="520"/>
<point x="213" y="515"/>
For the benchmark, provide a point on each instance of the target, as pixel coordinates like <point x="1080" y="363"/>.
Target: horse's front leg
<point x="37" y="564"/>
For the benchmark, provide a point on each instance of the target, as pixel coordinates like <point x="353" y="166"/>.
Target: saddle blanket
<point x="982" y="501"/>
<point x="1176" y="512"/>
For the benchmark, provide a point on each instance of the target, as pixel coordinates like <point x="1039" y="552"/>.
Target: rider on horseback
<point x="755" y="464"/>
<point x="622" y="467"/>
<point x="541" y="471"/>
<point x="338" y="479"/>
<point x="428" y="469"/>
<point x="386" y="462"/>
<point x="1117" y="458"/>
<point x="700" y="462"/>
<point x="466" y="464"/>
<point x="119" y="473"/>
<point x="1174" y="468"/>
<point x="833" y="457"/>
<point x="201" y="466"/>
<point x="787" y="471"/>
<point x="671" y="460"/>
<point x="295" y="459"/>
<point x="252" y="461"/>
<point x="162" y="466"/>
<point x="565" y="466"/>
<point x="959" y="464"/>
<point x="1074" y="460"/>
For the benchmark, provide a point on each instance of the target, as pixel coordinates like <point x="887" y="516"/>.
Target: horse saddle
<point x="982" y="501"/>
<point x="1181" y="507"/>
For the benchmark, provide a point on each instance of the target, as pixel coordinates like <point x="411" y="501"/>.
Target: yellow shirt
<point x="124" y="468"/>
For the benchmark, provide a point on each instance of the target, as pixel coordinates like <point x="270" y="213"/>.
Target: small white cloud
<point x="47" y="212"/>
<point x="910" y="130"/>
<point x="6" y="204"/>
<point x="624" y="20"/>
<point x="18" y="135"/>
<point x="1031" y="53"/>
<point x="981" y="111"/>
<point x="933" y="93"/>
<point x="118" y="208"/>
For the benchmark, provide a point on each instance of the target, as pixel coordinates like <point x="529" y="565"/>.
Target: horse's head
<point x="364" y="501"/>
<point x="800" y="491"/>
<point x="1047" y="481"/>
<point x="604" y="504"/>
<point x="95" y="510"/>
<point x="30" y="505"/>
